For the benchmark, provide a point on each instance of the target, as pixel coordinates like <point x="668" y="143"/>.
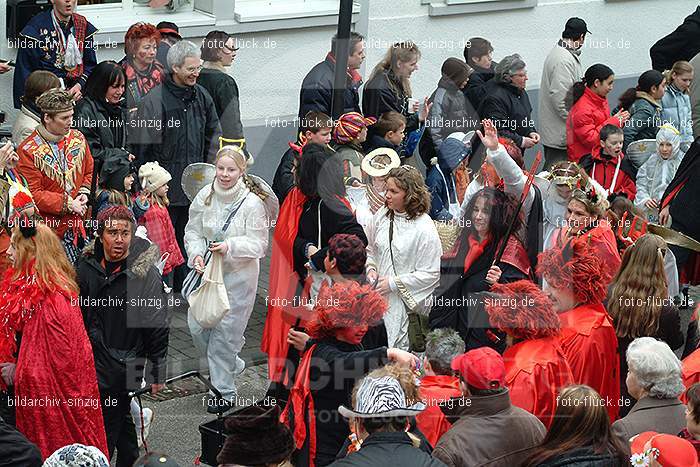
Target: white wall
<point x="269" y="77"/>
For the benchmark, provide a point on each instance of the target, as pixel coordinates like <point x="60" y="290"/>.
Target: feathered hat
<point x="346" y="305"/>
<point x="522" y="311"/>
<point x="574" y="267"/>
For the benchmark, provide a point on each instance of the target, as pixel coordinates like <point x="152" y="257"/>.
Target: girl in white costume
<point x="403" y="252"/>
<point x="242" y="245"/>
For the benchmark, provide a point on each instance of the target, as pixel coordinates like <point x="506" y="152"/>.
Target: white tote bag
<point x="209" y="303"/>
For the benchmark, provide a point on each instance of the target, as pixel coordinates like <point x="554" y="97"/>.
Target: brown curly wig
<point x="523" y="311"/>
<point x="345" y="305"/>
<point x="417" y="195"/>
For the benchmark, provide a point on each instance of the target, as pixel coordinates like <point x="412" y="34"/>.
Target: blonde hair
<point x="404" y="52"/>
<point x="44" y="250"/>
<point x="639" y="288"/>
<point x="116" y="197"/>
<point x="241" y="161"/>
<point x="681" y="67"/>
<point x="155" y="198"/>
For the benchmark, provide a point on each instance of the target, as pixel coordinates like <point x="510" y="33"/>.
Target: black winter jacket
<point x="510" y="110"/>
<point x="125" y="316"/>
<point x="382" y="94"/>
<point x="283" y="182"/>
<point x="475" y="90"/>
<point x="682" y="44"/>
<point x="584" y="457"/>
<point x="104" y="128"/>
<point x="177" y="126"/>
<point x="16" y="449"/>
<point x="388" y="449"/>
<point x="317" y="91"/>
<point x="224" y="92"/>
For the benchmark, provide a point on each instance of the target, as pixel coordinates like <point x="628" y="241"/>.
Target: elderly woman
<point x="508" y="105"/>
<point x="143" y="71"/>
<point x="654" y="380"/>
<point x="29" y="116"/>
<point x="218" y="52"/>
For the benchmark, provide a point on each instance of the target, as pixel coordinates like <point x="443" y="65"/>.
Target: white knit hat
<point x="152" y="176"/>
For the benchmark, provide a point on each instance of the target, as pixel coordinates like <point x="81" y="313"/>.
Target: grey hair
<point x="656" y="367"/>
<point x="507" y="67"/>
<point x="180" y="51"/>
<point x="442" y="345"/>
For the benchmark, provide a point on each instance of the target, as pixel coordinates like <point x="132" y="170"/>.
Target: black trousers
<point x="120" y="429"/>
<point x="179" y="215"/>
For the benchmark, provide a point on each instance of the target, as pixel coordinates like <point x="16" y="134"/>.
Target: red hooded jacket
<point x="436" y="390"/>
<point x="587" y="116"/>
<point x="602" y="167"/>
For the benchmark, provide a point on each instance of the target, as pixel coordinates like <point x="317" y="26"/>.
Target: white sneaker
<point x="148" y="416"/>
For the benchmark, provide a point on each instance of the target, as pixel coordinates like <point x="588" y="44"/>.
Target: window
<point x="457" y="7"/>
<point x="265" y="10"/>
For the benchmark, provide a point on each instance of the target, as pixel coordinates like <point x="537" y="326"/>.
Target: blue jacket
<point x="39" y="50"/>
<point x="676" y="111"/>
<point x="442" y="190"/>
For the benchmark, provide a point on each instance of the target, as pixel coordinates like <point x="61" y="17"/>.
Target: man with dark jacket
<point x="681" y="44"/>
<point x="508" y="105"/>
<point x="124" y="308"/>
<point x="477" y="54"/>
<point x="317" y="88"/>
<point x="485" y="407"/>
<point x="176" y="126"/>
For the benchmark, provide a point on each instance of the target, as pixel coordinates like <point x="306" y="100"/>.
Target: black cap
<point x="166" y="27"/>
<point x="575" y="27"/>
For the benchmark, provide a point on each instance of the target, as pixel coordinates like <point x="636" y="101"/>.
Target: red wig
<point x="522" y="311"/>
<point x="513" y="151"/>
<point x="138" y="32"/>
<point x="575" y="267"/>
<point x="346" y="305"/>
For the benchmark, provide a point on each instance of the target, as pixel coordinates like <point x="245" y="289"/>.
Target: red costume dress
<point x="435" y="390"/>
<point x="57" y="169"/>
<point x="600" y="239"/>
<point x="536" y="371"/>
<point x="56" y="395"/>
<point x="590" y="344"/>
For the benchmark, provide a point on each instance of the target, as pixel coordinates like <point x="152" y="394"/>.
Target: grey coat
<point x="676" y="111"/>
<point x="651" y="414"/>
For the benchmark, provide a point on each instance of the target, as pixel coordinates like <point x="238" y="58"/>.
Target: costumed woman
<point x="333" y="361"/>
<point x="312" y="213"/>
<point x="576" y="284"/>
<point x="536" y="365"/>
<point x="58" y="166"/>
<point x="143" y="71"/>
<point x="54" y="365"/>
<point x="586" y="223"/>
<point x="230" y="217"/>
<point x="368" y="198"/>
<point x="403" y="257"/>
<point x="470" y="268"/>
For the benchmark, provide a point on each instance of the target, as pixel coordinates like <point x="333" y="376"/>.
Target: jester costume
<point x="43" y="45"/>
<point x="58" y="169"/>
<point x="56" y="396"/>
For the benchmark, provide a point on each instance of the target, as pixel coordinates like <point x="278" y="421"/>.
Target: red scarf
<point x="476" y="249"/>
<point x="354" y="75"/>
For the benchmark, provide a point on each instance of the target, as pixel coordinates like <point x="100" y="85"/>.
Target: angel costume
<point x="247" y="238"/>
<point x="410" y="258"/>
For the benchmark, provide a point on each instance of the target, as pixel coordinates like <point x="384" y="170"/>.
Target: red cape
<point x="283" y="285"/>
<point x="589" y="342"/>
<point x="56" y="395"/>
<point x="691" y="371"/>
<point x="536" y="371"/>
<point x="435" y="390"/>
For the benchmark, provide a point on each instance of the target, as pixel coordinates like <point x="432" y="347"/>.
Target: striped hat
<point x="381" y="397"/>
<point x="350" y="125"/>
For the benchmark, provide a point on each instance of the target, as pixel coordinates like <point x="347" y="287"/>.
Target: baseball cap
<point x="576" y="26"/>
<point x="482" y="368"/>
<point x="667" y="450"/>
<point x="167" y="27"/>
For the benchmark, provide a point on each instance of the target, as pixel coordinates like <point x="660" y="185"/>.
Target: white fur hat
<point x="152" y="176"/>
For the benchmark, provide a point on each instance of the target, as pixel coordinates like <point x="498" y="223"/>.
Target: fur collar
<point x="142" y="255"/>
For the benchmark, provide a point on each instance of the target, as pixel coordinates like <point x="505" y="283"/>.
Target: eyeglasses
<point x="194" y="69"/>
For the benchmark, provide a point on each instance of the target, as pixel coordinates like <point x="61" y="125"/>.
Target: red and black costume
<point x="435" y="390"/>
<point x="587" y="336"/>
<point x="615" y="174"/>
<point x="536" y="366"/>
<point x="328" y="371"/>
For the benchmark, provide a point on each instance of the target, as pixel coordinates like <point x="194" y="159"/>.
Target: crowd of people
<point x="434" y="297"/>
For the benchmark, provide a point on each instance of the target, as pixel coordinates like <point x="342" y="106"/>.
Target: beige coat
<point x="562" y="68"/>
<point x="651" y="414"/>
<point x="26" y="122"/>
